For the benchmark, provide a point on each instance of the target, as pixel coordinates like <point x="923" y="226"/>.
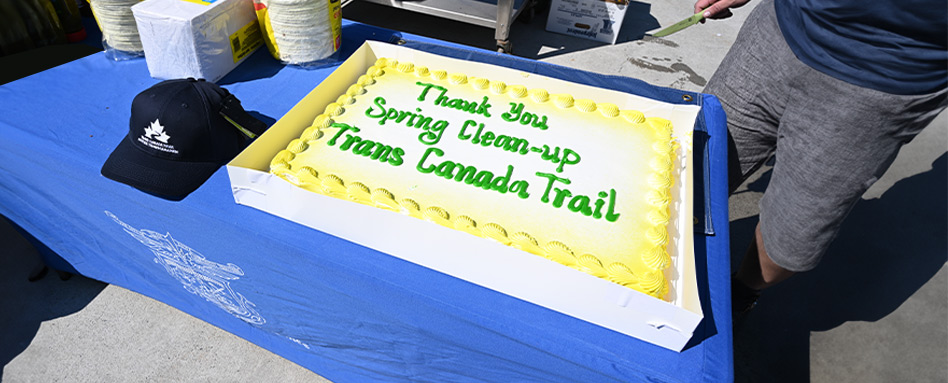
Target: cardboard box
<point x="195" y="38"/>
<point x="598" y="20"/>
<point x="474" y="259"/>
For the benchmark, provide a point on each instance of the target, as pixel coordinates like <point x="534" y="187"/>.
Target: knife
<point x="691" y="20"/>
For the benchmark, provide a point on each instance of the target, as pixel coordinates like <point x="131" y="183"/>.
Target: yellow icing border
<point x="652" y="282"/>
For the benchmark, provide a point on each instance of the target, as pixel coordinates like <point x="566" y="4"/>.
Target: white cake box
<point x="474" y="259"/>
<point x="598" y="20"/>
<point x="194" y="38"/>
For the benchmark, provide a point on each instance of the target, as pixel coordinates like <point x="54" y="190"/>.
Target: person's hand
<point x="718" y="9"/>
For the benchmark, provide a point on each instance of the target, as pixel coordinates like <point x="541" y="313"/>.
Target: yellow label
<point x="200" y="2"/>
<point x="335" y="22"/>
<point x="266" y="28"/>
<point x="245" y="40"/>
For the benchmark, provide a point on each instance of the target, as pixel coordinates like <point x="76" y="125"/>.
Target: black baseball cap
<point x="180" y="132"/>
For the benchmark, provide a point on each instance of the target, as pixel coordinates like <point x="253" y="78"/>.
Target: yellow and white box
<point x="668" y="323"/>
<point x="598" y="20"/>
<point x="195" y="38"/>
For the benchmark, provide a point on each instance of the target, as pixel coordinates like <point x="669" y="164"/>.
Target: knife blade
<point x="691" y="20"/>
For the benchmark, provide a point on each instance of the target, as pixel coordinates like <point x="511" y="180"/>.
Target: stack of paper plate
<point x="117" y="24"/>
<point x="301" y="29"/>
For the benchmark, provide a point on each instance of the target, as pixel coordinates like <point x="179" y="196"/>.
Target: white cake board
<point x="474" y="259"/>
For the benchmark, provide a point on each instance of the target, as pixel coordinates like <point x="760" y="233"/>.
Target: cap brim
<point x="168" y="179"/>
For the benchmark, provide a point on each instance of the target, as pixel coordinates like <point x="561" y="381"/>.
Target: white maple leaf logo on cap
<point x="157" y="132"/>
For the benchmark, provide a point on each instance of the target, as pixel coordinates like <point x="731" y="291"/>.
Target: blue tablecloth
<point x="344" y="311"/>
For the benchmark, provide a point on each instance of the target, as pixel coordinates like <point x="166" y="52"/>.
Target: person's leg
<point x="835" y="140"/>
<point x="752" y="85"/>
<point x="832" y="141"/>
<point x="758" y="271"/>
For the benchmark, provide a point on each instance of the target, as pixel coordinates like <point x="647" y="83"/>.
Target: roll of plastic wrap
<point x="117" y="24"/>
<point x="302" y="30"/>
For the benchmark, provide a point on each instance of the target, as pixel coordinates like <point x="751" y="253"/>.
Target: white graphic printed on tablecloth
<point x="198" y="275"/>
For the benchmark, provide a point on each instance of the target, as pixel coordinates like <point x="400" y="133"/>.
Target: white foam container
<point x="184" y="39"/>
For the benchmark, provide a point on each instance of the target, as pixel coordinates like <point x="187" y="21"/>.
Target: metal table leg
<point x="502" y="28"/>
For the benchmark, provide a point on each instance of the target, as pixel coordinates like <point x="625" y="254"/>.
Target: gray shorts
<point x="831" y="139"/>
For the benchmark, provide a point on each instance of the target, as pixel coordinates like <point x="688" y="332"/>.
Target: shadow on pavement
<point x="24" y="305"/>
<point x="19" y="65"/>
<point x="887" y="250"/>
<point x="528" y="34"/>
<point x="420" y="24"/>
